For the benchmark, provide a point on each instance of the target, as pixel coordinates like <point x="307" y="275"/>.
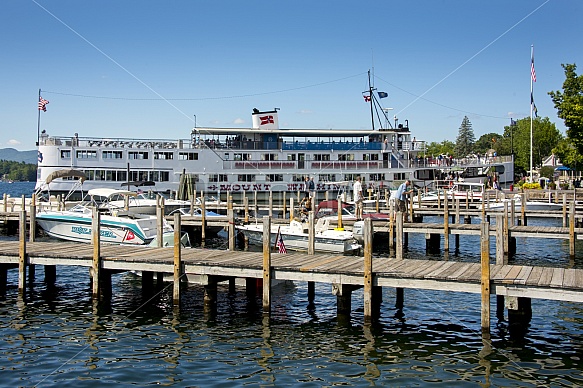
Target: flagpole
<point x="38" y="124"/>
<point x="370" y="89"/>
<point x="531" y="104"/>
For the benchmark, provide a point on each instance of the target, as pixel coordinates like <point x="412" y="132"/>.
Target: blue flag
<point x="383" y="94"/>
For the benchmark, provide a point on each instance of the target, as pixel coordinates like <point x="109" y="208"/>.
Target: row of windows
<point x="133" y="155"/>
<point x="122" y="176"/>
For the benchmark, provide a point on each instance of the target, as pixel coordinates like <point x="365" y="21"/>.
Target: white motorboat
<point x="530" y="205"/>
<point x="75" y="225"/>
<point x="296" y="237"/>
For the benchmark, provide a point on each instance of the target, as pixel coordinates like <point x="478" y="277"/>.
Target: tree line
<point x="17" y="171"/>
<point x="515" y="137"/>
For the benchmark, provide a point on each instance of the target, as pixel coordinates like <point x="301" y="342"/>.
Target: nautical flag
<point x="279" y="242"/>
<point x="535" y="111"/>
<point x="42" y="104"/>
<point x="383" y="94"/>
<point x="266" y="120"/>
<point x="532" y="72"/>
<point x="366" y="98"/>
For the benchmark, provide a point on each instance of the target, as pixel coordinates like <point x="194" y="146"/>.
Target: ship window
<point x="274" y="178"/>
<point x="138" y="155"/>
<point x="239" y="157"/>
<point x="165" y="176"/>
<point x="246" y="178"/>
<point x="376" y="177"/>
<point x="269" y="157"/>
<point x="218" y="178"/>
<point x="99" y="175"/>
<point x="155" y="176"/>
<point x="346" y="157"/>
<point x="65" y="154"/>
<point x="320" y="157"/>
<point x="350" y="177"/>
<point x="399" y="176"/>
<point x="326" y="177"/>
<point x="112" y="154"/>
<point x="122" y="176"/>
<point x="164" y="155"/>
<point x="86" y="154"/>
<point x="291" y="157"/>
<point x="187" y="156"/>
<point x="370" y="157"/>
<point x="298" y="178"/>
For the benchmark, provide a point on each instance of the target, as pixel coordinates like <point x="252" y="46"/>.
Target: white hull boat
<point x="530" y="205"/>
<point x="296" y="238"/>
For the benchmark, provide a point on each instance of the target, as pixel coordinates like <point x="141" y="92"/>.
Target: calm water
<point x="59" y="337"/>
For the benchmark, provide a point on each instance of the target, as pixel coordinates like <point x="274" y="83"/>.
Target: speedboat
<point x="295" y="237"/>
<point x="329" y="210"/>
<point x="530" y="205"/>
<point x="115" y="227"/>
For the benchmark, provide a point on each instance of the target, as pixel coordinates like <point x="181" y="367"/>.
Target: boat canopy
<point x="106" y="192"/>
<point x="69" y="173"/>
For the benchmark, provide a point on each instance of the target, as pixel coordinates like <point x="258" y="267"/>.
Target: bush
<point x="531" y="186"/>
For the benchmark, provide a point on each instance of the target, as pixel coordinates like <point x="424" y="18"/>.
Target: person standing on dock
<point x="312" y="188"/>
<point x="358" y="197"/>
<point x="401" y="197"/>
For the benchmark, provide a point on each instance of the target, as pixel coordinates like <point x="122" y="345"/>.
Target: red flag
<point x="279" y="242"/>
<point x="366" y="98"/>
<point x="532" y="72"/>
<point x="42" y="104"/>
<point x="266" y="120"/>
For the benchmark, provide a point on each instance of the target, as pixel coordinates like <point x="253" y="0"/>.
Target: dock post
<point x="283" y="210"/>
<point x="96" y="242"/>
<point x="391" y="227"/>
<point x="485" y="278"/>
<point x="177" y="260"/>
<point x="572" y="230"/>
<point x="22" y="262"/>
<point x="246" y="204"/>
<point x="523" y="220"/>
<point x="311" y="234"/>
<point x="457" y="221"/>
<point x="32" y="230"/>
<point x="159" y="221"/>
<point x="445" y="224"/>
<point x="340" y="226"/>
<point x="368" y="271"/>
<point x="399" y="237"/>
<point x="291" y="209"/>
<point x="500" y="257"/>
<point x="231" y="217"/>
<point x="564" y="210"/>
<point x="5" y="202"/>
<point x="203" y="221"/>
<point x="191" y="200"/>
<point x="270" y="203"/>
<point x="266" y="265"/>
<point x="255" y="205"/>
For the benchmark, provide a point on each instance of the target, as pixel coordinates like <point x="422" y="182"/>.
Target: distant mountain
<point x="11" y="154"/>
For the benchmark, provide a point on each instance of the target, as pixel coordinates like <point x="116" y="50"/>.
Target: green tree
<point x="486" y="142"/>
<point x="464" y="143"/>
<point x="569" y="105"/>
<point x="545" y="136"/>
<point x="446" y="147"/>
<point x="567" y="153"/>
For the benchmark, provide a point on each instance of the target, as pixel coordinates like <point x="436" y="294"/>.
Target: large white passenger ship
<point x="264" y="158"/>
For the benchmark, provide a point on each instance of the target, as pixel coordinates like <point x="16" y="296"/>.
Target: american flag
<point x="42" y="104"/>
<point x="266" y="120"/>
<point x="279" y="242"/>
<point x="532" y="72"/>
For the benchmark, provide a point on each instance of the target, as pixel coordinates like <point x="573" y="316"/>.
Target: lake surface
<point x="59" y="337"/>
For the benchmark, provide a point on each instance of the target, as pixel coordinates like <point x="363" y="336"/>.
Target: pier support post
<point x="391" y="227"/>
<point x="432" y="242"/>
<point x="177" y="260"/>
<point x="50" y="275"/>
<point x="159" y="220"/>
<point x="270" y="203"/>
<point x="343" y="293"/>
<point x="519" y="316"/>
<point x="399" y="237"/>
<point x="485" y="278"/>
<point x="266" y="265"/>
<point x="445" y="224"/>
<point x="399" y="298"/>
<point x="368" y="272"/>
<point x="500" y="257"/>
<point x="3" y="279"/>
<point x="203" y="220"/>
<point x="572" y="236"/>
<point x="311" y="292"/>
<point x="210" y="295"/>
<point x="95" y="241"/>
<point x="311" y="234"/>
<point x="22" y="259"/>
<point x="231" y="217"/>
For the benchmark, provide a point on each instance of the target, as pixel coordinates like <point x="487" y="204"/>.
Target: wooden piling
<point x="311" y="234"/>
<point x="485" y="278"/>
<point x="177" y="275"/>
<point x="96" y="242"/>
<point x="501" y="258"/>
<point x="246" y="204"/>
<point x="572" y="236"/>
<point x="266" y="265"/>
<point x="399" y="237"/>
<point x="270" y="204"/>
<point x="368" y="271"/>
<point x="445" y="224"/>
<point x="159" y="221"/>
<point x="32" y="226"/>
<point x="203" y="220"/>
<point x="22" y="260"/>
<point x="284" y="210"/>
<point x="231" y="217"/>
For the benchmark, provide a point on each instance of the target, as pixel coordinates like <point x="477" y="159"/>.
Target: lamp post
<point x="194" y="121"/>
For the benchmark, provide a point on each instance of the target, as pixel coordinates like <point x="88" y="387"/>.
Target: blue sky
<point x="143" y="69"/>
